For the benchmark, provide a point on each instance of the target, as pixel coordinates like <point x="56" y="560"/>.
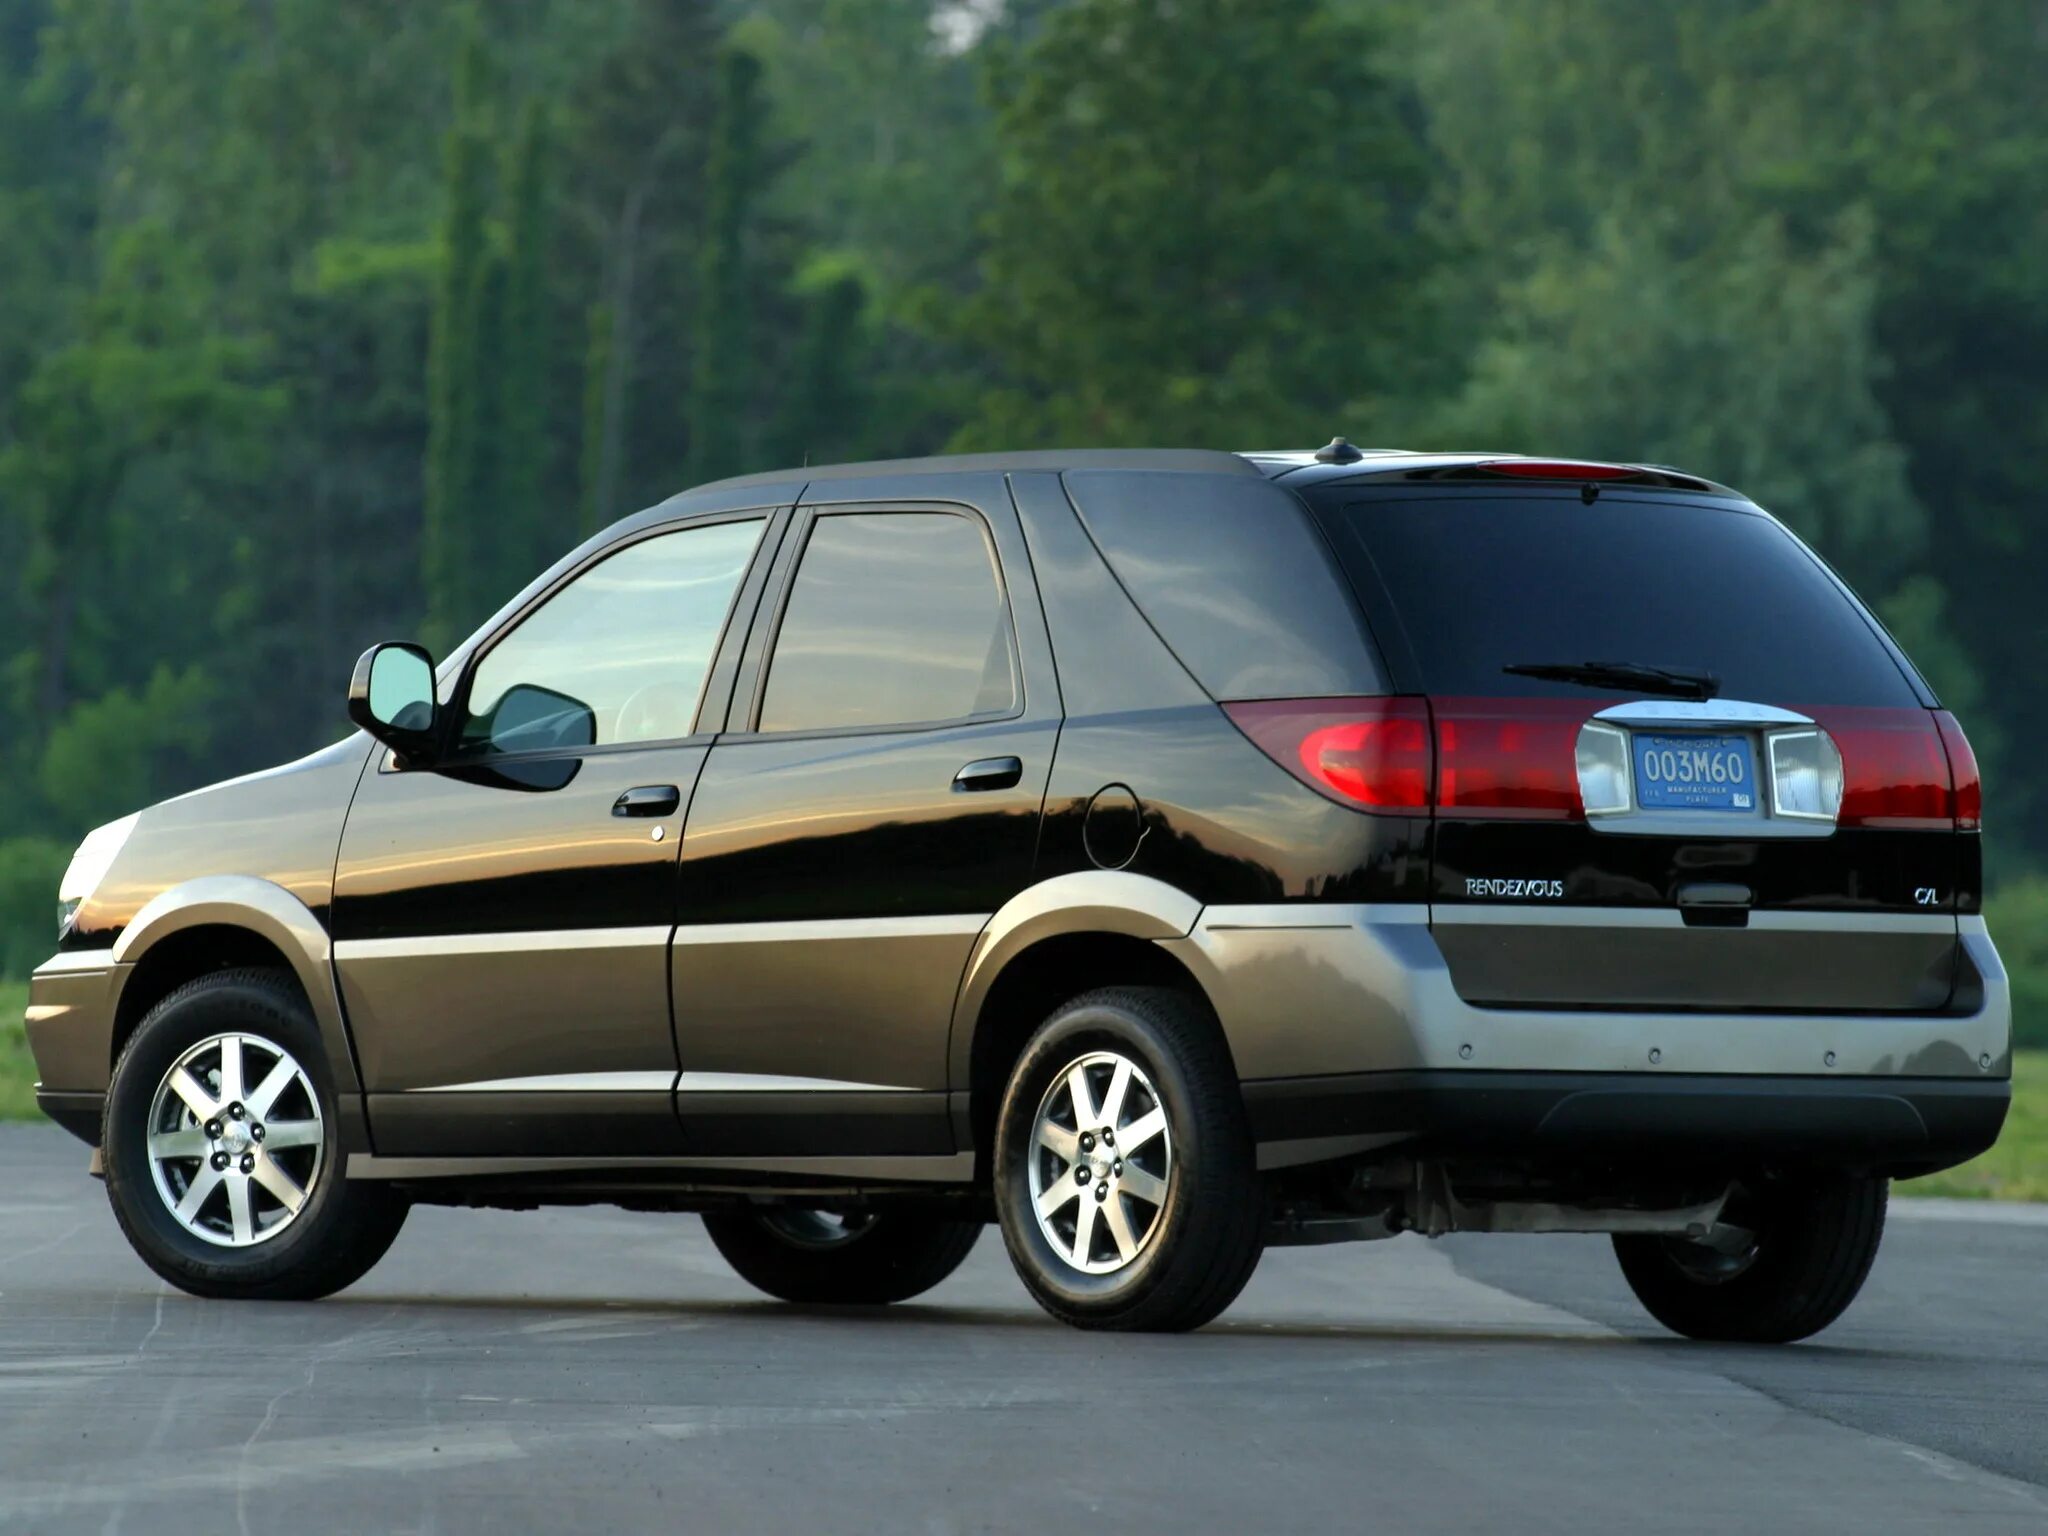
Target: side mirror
<point x="391" y="696"/>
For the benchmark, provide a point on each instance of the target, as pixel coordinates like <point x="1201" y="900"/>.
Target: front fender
<point x="260" y="907"/>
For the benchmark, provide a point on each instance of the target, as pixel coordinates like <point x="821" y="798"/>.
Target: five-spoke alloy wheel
<point x="1125" y="1179"/>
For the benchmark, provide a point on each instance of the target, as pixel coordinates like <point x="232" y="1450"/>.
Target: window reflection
<point x="618" y="655"/>
<point x="896" y="618"/>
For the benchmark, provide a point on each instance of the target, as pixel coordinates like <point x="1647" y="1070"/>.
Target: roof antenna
<point x="1338" y="451"/>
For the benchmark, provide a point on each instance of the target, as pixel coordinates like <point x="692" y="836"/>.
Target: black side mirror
<point x="391" y="696"/>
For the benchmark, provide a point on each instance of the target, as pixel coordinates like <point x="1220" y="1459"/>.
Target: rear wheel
<point x="221" y="1151"/>
<point x="1125" y="1178"/>
<point x="865" y="1257"/>
<point x="1799" y="1256"/>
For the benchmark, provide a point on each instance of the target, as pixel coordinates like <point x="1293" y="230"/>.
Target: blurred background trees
<point x="325" y="324"/>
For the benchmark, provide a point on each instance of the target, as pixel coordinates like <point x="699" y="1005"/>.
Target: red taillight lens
<point x="1962" y="772"/>
<point x="1509" y="758"/>
<point x="1895" y="771"/>
<point x="1496" y="758"/>
<point x="1374" y="753"/>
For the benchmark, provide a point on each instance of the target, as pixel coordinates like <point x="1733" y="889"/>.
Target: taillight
<point x="1895" y="770"/>
<point x="1551" y="760"/>
<point x="1514" y="759"/>
<point x="1373" y="753"/>
<point x="1962" y="772"/>
<point x="1497" y="758"/>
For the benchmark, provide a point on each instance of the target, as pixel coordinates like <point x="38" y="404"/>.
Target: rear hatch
<point x="1675" y="763"/>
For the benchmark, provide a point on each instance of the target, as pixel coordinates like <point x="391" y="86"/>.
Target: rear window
<point x="1479" y="583"/>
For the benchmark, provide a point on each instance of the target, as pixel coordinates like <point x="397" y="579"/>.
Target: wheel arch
<point x="220" y="922"/>
<point x="1054" y="941"/>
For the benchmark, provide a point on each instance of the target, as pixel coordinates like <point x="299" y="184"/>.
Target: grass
<point x="2015" y="1169"/>
<point x="17" y="1069"/>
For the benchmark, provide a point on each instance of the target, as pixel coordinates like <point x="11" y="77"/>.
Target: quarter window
<point x="620" y="654"/>
<point x="895" y="618"/>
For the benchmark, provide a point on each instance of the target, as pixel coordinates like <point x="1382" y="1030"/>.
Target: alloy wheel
<point x="235" y="1140"/>
<point x="1101" y="1163"/>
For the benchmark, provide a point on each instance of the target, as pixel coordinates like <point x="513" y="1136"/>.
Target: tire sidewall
<point x="213" y="1007"/>
<point x="1076" y="1031"/>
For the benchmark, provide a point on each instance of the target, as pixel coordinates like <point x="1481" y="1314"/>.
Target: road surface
<point x="599" y="1372"/>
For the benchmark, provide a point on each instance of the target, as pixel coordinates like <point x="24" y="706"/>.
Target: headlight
<point x="89" y="866"/>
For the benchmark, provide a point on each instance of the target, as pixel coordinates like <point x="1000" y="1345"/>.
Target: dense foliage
<point x="325" y="324"/>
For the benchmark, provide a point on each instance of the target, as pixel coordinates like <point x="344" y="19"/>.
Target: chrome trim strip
<point x="1700" y="712"/>
<point x="564" y="1082"/>
<point x="72" y="962"/>
<point x="963" y="924"/>
<point x="1534" y="915"/>
<point x="1313" y="914"/>
<point x="769" y="1082"/>
<point x="442" y="944"/>
<point x="958" y="1168"/>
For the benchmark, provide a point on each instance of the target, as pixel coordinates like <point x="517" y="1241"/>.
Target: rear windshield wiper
<point x="1627" y="676"/>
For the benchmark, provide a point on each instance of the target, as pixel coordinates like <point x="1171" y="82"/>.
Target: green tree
<point x="146" y="374"/>
<point x="722" y="366"/>
<point x="822" y="417"/>
<point x="594" y="499"/>
<point x="522" y="530"/>
<point x="1205" y="231"/>
<point x="453" y="545"/>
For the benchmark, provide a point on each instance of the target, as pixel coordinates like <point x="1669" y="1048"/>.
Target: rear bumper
<point x="1900" y="1126"/>
<point x="1310" y="990"/>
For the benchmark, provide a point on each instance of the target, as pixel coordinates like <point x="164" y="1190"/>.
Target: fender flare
<point x="1092" y="901"/>
<point x="268" y="910"/>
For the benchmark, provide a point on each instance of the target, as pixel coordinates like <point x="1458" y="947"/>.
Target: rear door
<point x="1788" y="843"/>
<point x="876" y="797"/>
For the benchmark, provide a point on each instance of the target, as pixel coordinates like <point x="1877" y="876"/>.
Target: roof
<point x="1185" y="460"/>
<point x="1298" y="466"/>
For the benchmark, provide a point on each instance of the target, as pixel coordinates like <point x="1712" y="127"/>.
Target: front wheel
<point x="1125" y="1177"/>
<point x="859" y="1257"/>
<point x="1798" y="1255"/>
<point x="222" y="1156"/>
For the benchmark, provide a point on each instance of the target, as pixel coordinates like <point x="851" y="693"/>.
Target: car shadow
<point x="1225" y="1330"/>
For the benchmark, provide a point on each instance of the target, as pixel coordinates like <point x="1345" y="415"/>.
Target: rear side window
<point x="895" y="618"/>
<point x="1480" y="583"/>
<point x="1233" y="575"/>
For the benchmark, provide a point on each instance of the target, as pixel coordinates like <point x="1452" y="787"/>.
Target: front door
<point x="501" y="921"/>
<point x="877" y="799"/>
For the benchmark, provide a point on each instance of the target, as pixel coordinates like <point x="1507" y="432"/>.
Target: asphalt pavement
<point x="599" y="1372"/>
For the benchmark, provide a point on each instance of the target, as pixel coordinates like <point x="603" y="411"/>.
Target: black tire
<point x="1210" y="1229"/>
<point x="1815" y="1242"/>
<point x="870" y="1261"/>
<point x="344" y="1227"/>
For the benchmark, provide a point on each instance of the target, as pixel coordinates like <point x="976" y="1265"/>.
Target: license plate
<point x="1694" y="773"/>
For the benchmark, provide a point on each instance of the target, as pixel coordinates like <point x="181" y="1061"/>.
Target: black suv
<point x="1168" y="854"/>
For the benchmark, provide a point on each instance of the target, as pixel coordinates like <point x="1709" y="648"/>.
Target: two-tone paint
<point x="810" y="967"/>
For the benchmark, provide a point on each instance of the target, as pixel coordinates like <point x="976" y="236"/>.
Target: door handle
<point x="1715" y="893"/>
<point x="989" y="773"/>
<point x="648" y="800"/>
